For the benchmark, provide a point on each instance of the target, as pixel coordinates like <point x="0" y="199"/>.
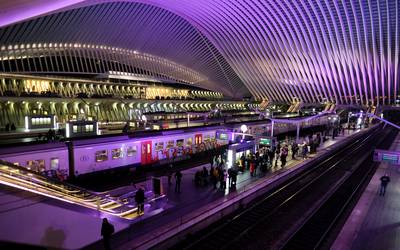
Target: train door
<point x="198" y="139"/>
<point x="146" y="152"/>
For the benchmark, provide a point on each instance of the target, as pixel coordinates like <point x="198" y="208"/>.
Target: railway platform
<point x="197" y="203"/>
<point x="48" y="223"/>
<point x="374" y="222"/>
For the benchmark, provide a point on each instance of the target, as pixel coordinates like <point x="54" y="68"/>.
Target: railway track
<point x="270" y="222"/>
<point x="315" y="233"/>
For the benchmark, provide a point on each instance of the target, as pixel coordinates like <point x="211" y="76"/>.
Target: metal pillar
<point x="272" y="128"/>
<point x="298" y="132"/>
<point x="188" y="120"/>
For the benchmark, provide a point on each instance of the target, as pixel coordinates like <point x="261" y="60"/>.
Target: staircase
<point x="25" y="179"/>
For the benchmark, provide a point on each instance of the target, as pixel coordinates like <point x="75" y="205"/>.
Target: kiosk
<point x="81" y="128"/>
<point x="236" y="150"/>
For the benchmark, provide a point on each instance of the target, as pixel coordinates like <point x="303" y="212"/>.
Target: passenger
<point x="139" y="199"/>
<point x="107" y="229"/>
<point x="170" y="172"/>
<point x="13" y="128"/>
<point x="230" y="177"/>
<point x="233" y="177"/>
<point x="7" y="127"/>
<point x="277" y="153"/>
<point x="256" y="164"/>
<point x="384" y="182"/>
<point x="304" y="150"/>
<point x="220" y="177"/>
<point x="205" y="176"/>
<point x="178" y="179"/>
<point x="284" y="154"/>
<point x="215" y="178"/>
<point x="271" y="154"/>
<point x="242" y="162"/>
<point x="295" y="149"/>
<point x="252" y="163"/>
<point x="223" y="180"/>
<point x="197" y="178"/>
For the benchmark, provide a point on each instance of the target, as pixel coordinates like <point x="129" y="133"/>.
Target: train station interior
<point x="208" y="124"/>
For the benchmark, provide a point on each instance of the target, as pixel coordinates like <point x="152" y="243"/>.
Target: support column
<point x="298" y="132"/>
<point x="272" y="129"/>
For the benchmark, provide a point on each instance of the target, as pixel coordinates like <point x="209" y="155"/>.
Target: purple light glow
<point x="343" y="52"/>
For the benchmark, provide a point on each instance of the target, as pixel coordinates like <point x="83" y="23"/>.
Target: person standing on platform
<point x="242" y="162"/>
<point x="295" y="148"/>
<point x="139" y="198"/>
<point x="277" y="153"/>
<point x="107" y="229"/>
<point x="178" y="179"/>
<point x="284" y="154"/>
<point x="223" y="180"/>
<point x="170" y="173"/>
<point x="384" y="182"/>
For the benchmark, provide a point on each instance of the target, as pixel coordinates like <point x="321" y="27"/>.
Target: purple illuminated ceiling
<point x="345" y="51"/>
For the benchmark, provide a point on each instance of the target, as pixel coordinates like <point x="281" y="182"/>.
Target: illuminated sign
<point x="391" y="157"/>
<point x="265" y="141"/>
<point x="223" y="136"/>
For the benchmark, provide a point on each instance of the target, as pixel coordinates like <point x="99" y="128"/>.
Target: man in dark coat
<point x="384" y="181"/>
<point x="178" y="179"/>
<point x="139" y="198"/>
<point x="107" y="229"/>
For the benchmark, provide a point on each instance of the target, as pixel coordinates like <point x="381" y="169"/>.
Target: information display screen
<point x="391" y="157"/>
<point x="265" y="141"/>
<point x="223" y="136"/>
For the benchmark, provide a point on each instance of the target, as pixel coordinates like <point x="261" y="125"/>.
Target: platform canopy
<point x="344" y="51"/>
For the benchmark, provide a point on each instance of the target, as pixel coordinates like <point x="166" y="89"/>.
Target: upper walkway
<point x="374" y="222"/>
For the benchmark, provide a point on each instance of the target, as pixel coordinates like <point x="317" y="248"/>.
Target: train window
<point x="159" y="146"/>
<point x="75" y="129"/>
<point x="16" y="163"/>
<point x="89" y="128"/>
<point x="189" y="141"/>
<point x="101" y="155"/>
<point x="54" y="163"/>
<point x="170" y="144"/>
<point x="131" y="151"/>
<point x="117" y="153"/>
<point x="207" y="138"/>
<point x="179" y="143"/>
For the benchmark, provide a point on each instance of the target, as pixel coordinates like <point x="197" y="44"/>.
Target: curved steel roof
<point x="345" y="51"/>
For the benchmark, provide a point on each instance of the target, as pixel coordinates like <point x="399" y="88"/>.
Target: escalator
<point x="25" y="179"/>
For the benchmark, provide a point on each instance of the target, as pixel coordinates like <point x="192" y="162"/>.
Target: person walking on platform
<point x="384" y="182"/>
<point x="139" y="198"/>
<point x="107" y="229"/>
<point x="178" y="179"/>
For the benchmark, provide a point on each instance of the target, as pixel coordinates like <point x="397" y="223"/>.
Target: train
<point x="80" y="156"/>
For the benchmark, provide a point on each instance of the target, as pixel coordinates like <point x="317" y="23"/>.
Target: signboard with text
<point x="391" y="157"/>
